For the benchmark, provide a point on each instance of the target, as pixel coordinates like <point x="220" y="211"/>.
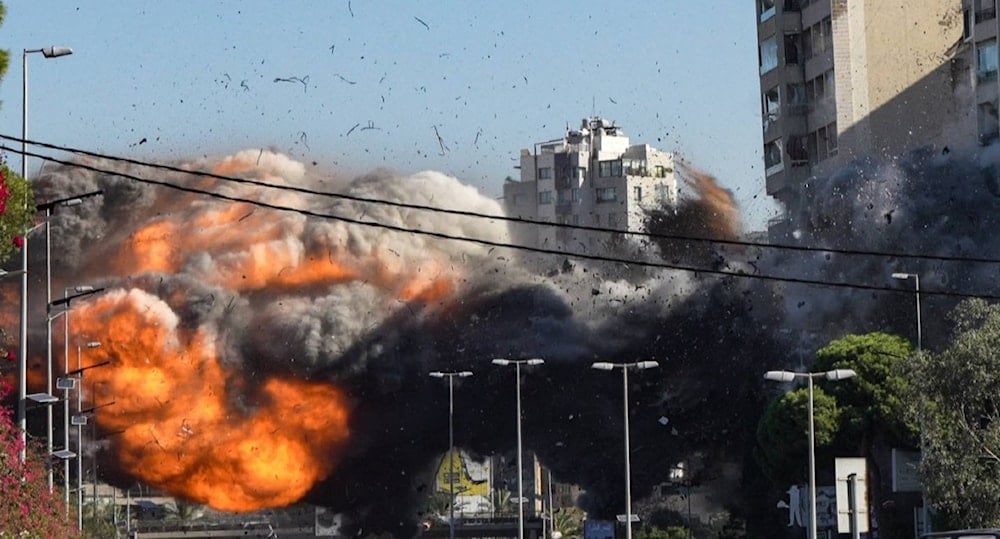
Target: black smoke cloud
<point x="713" y="336"/>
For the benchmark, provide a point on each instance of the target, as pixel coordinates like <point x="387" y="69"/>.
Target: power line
<point x="491" y="243"/>
<point x="520" y="220"/>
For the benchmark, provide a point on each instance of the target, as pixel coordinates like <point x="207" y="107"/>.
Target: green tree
<point x="872" y="413"/>
<point x="872" y="402"/>
<point x="954" y="397"/>
<point x="861" y="416"/>
<point x="783" y="433"/>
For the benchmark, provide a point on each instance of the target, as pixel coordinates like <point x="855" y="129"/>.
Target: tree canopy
<point x="954" y="397"/>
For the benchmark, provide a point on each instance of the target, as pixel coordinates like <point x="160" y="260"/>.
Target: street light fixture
<point x="65" y="301"/>
<point x="788" y="376"/>
<point x="451" y="375"/>
<point x="639" y="365"/>
<point x="916" y="288"/>
<point x="520" y="469"/>
<point x="80" y="420"/>
<point x="47" y="52"/>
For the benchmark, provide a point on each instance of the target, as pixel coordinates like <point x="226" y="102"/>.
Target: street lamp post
<point x="66" y="382"/>
<point x="49" y="317"/>
<point x="451" y="375"/>
<point x="47" y="52"/>
<point x="80" y="420"/>
<point x="520" y="469"/>
<point x="788" y="376"/>
<point x="639" y="365"/>
<point x="916" y="288"/>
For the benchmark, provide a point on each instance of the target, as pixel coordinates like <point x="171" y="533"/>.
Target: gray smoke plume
<point x="373" y="311"/>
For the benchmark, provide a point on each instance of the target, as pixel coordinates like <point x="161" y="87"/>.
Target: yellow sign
<point x="454" y="462"/>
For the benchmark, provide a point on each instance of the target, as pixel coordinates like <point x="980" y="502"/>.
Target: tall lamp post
<point x="47" y="52"/>
<point x="788" y="376"/>
<point x="916" y="288"/>
<point x="65" y="383"/>
<point x="79" y="420"/>
<point x="451" y="375"/>
<point x="520" y="469"/>
<point x="49" y="317"/>
<point x="639" y="365"/>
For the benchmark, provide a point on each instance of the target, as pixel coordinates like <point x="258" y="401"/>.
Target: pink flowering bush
<point x="27" y="508"/>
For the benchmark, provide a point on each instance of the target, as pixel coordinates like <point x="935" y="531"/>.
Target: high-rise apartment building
<point x="844" y="79"/>
<point x="592" y="177"/>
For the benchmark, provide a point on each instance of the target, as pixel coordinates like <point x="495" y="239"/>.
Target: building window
<point x="989" y="123"/>
<point x="610" y="169"/>
<point x="576" y="220"/>
<point x="637" y="193"/>
<point x="772" y="157"/>
<point x="831" y="138"/>
<point x="545" y="173"/>
<point x="564" y="196"/>
<point x="581" y="174"/>
<point x="986" y="60"/>
<point x="772" y="105"/>
<point x="791" y="49"/>
<point x="798" y="156"/>
<point x="576" y="194"/>
<point x="768" y="54"/>
<point x="634" y="167"/>
<point x="792" y="5"/>
<point x="662" y="171"/>
<point x="545" y="197"/>
<point x="664" y="194"/>
<point x="986" y="10"/>
<point x="826" y="142"/>
<point x="766" y="9"/>
<point x="607" y="194"/>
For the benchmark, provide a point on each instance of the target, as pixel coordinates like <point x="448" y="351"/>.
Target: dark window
<point x="985" y="10"/>
<point x="792" y="48"/>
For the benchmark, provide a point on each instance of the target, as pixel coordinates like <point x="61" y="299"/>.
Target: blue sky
<point x="181" y="79"/>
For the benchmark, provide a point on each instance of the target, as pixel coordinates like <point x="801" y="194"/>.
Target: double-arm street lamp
<point x="520" y="469"/>
<point x="638" y="365"/>
<point x="788" y="376"/>
<point x="47" y="52"/>
<point x="451" y="375"/>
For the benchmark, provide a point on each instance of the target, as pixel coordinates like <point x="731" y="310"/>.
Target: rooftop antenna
<point x="593" y="106"/>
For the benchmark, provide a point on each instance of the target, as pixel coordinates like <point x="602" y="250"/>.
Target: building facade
<point x="591" y="177"/>
<point x="844" y="79"/>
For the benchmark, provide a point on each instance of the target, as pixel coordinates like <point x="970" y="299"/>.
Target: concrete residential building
<point x="591" y="177"/>
<point x="843" y="79"/>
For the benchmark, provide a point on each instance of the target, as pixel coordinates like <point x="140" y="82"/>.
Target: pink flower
<point x="11" y="355"/>
<point x="19" y="242"/>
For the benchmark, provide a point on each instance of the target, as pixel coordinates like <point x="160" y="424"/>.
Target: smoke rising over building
<point x="259" y="357"/>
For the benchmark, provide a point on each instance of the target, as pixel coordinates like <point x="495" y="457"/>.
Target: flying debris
<point x="260" y="358"/>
